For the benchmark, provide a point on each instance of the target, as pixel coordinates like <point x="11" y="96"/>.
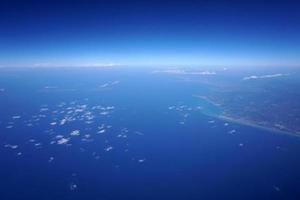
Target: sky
<point x="153" y="32"/>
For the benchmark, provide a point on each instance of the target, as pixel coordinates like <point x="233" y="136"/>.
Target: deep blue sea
<point x="132" y="134"/>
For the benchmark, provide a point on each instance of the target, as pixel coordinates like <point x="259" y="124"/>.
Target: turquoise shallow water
<point x="138" y="135"/>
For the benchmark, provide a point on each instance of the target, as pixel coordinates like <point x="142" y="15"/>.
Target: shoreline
<point x="246" y="122"/>
<point x="253" y="124"/>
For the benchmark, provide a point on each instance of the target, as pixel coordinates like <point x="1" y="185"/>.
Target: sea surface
<point x="132" y="133"/>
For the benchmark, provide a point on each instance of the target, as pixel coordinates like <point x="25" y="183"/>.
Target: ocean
<point x="114" y="133"/>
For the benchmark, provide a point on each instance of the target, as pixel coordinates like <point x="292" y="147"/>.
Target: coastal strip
<point x="255" y="125"/>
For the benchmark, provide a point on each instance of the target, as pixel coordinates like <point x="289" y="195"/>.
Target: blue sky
<point x="90" y="33"/>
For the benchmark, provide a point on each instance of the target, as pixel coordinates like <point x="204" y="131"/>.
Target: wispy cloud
<point x="264" y="76"/>
<point x="184" y="72"/>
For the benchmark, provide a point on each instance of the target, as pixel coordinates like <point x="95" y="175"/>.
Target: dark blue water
<point x="142" y="135"/>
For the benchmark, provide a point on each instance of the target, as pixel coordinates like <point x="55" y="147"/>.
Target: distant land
<point x="265" y="98"/>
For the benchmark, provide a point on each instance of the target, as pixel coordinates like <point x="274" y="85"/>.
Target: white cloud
<point x="11" y="146"/>
<point x="102" y="65"/>
<point x="264" y="76"/>
<point x="109" y="84"/>
<point x="108" y="148"/>
<point x="63" y="141"/>
<point x="75" y="133"/>
<point x="16" y="117"/>
<point x="180" y="71"/>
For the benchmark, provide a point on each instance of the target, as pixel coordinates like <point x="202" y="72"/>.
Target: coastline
<point x="255" y="125"/>
<point x="246" y="122"/>
<point x="205" y="98"/>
